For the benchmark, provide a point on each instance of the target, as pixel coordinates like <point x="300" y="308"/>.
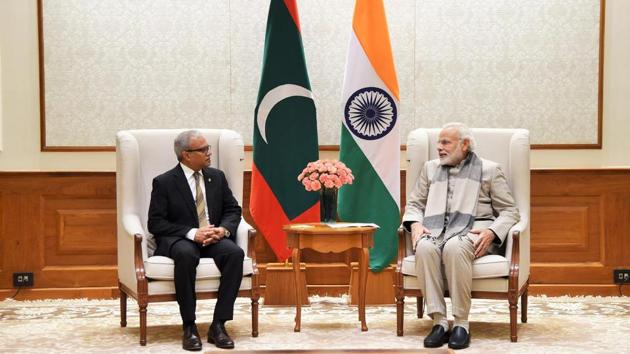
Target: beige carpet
<point x="556" y="325"/>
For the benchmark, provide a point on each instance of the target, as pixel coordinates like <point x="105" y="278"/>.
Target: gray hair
<point x="464" y="133"/>
<point x="182" y="142"/>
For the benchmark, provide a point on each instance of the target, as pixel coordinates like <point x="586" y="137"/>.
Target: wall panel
<point x="532" y="64"/>
<point x="572" y="226"/>
<point x="62" y="227"/>
<point x="578" y="223"/>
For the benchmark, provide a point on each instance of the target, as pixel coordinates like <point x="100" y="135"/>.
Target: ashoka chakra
<point x="370" y="113"/>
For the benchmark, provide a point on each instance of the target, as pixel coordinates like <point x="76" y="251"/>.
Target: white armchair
<point x="142" y="155"/>
<point x="494" y="276"/>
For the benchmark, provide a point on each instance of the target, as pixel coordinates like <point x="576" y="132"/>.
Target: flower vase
<point x="328" y="205"/>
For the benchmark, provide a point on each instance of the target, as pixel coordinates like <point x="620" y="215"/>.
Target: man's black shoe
<point x="190" y="339"/>
<point x="219" y="337"/>
<point x="436" y="338"/>
<point x="460" y="338"/>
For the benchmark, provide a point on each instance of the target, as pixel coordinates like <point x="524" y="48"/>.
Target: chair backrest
<point x="508" y="147"/>
<point x="146" y="153"/>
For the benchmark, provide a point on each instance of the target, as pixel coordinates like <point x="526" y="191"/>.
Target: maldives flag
<point x="285" y="131"/>
<point x="370" y="134"/>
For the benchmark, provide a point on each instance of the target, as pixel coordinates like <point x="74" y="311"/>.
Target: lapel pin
<point x="209" y="179"/>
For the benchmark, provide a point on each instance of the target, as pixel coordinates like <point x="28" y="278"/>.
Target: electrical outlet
<point x="621" y="276"/>
<point x="23" y="279"/>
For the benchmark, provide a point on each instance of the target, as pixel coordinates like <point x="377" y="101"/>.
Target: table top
<point x="338" y="228"/>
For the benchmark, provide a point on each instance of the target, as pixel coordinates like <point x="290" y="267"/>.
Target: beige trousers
<point x="453" y="262"/>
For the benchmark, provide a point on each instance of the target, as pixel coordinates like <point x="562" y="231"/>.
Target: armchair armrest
<point x="138" y="260"/>
<point x="246" y="239"/>
<point x="514" y="262"/>
<point x="131" y="224"/>
<point x="519" y="226"/>
<point x="131" y="253"/>
<point x="242" y="235"/>
<point x="251" y="245"/>
<point x="521" y="250"/>
<point x="402" y="248"/>
<point x="398" y="275"/>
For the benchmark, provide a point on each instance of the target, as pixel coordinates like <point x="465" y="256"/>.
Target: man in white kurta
<point x="460" y="208"/>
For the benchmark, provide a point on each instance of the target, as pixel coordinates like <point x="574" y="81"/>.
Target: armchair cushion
<point x="167" y="287"/>
<point x="493" y="285"/>
<point x="490" y="266"/>
<point x="162" y="268"/>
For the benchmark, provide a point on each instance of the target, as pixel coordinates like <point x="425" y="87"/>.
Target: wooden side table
<point x="323" y="238"/>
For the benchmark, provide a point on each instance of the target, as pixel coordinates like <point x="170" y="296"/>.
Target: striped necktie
<point x="200" y="202"/>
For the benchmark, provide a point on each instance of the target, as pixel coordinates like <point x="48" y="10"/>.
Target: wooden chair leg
<point x="420" y="306"/>
<point x="524" y="307"/>
<point x="143" y="324"/>
<point x="254" y="316"/>
<point x="400" y="312"/>
<point x="513" y="310"/>
<point x="123" y="308"/>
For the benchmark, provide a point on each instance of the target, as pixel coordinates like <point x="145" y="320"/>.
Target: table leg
<point x="298" y="288"/>
<point x="363" y="269"/>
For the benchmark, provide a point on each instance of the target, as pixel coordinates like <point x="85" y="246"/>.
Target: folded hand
<point x="483" y="242"/>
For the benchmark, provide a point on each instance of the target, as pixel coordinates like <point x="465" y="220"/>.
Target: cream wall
<point x="19" y="101"/>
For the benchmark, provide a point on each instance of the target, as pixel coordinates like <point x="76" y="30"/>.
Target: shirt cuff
<point x="191" y="234"/>
<point x="407" y="225"/>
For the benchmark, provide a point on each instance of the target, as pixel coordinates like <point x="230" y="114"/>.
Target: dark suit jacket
<point x="172" y="212"/>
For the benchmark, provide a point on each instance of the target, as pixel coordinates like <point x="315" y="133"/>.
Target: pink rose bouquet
<point x="325" y="174"/>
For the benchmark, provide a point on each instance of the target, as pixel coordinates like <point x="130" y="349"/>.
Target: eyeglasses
<point x="203" y="150"/>
<point x="444" y="142"/>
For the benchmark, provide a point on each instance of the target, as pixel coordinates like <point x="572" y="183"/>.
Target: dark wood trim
<point x="104" y="292"/>
<point x="595" y="146"/>
<point x="8" y="174"/>
<point x="600" y="84"/>
<point x="329" y="148"/>
<point x="579" y="289"/>
<point x="324" y="147"/>
<point x="585" y="171"/>
<point x="78" y="148"/>
<point x="112" y="291"/>
<point x="42" y="81"/>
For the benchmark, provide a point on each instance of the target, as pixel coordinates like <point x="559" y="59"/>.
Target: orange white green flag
<point x="370" y="134"/>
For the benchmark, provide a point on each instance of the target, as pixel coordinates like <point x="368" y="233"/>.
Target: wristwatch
<point x="226" y="233"/>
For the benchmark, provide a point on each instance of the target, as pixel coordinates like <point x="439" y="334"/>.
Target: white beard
<point x="453" y="158"/>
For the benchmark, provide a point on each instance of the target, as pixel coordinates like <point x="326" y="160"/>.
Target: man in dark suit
<point x="193" y="214"/>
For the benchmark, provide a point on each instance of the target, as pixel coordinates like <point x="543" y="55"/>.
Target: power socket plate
<point x="621" y="276"/>
<point x="23" y="279"/>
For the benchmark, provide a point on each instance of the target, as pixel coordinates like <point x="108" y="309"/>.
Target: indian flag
<point x="370" y="133"/>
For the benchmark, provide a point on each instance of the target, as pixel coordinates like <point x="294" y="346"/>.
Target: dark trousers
<point x="227" y="256"/>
